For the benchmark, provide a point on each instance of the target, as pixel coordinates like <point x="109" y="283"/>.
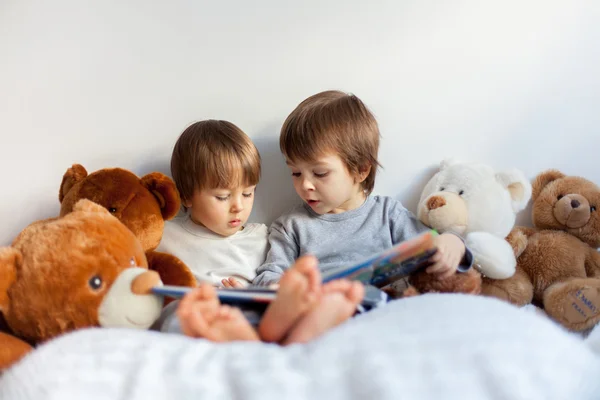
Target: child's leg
<point x="202" y="315"/>
<point x="339" y="302"/>
<point x="299" y="290"/>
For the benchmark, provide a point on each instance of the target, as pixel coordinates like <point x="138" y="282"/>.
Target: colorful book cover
<point x="380" y="270"/>
<point x="395" y="263"/>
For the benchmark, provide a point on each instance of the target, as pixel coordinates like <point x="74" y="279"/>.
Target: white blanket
<point x="428" y="347"/>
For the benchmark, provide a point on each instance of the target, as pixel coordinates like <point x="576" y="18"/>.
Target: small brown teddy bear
<point x="558" y="265"/>
<point x="83" y="270"/>
<point x="142" y="204"/>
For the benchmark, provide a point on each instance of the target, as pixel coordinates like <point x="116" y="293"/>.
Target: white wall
<point x="113" y="83"/>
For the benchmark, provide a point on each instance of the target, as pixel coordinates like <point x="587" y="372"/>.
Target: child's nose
<point x="237" y="205"/>
<point x="307" y="185"/>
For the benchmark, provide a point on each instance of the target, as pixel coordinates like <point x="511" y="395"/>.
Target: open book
<point x="379" y="270"/>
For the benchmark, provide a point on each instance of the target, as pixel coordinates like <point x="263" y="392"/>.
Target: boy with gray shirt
<point x="330" y="142"/>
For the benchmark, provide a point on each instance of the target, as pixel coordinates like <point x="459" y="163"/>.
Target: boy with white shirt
<point x="216" y="168"/>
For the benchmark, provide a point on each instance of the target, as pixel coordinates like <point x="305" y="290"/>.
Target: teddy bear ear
<point x="518" y="186"/>
<point x="165" y="191"/>
<point x="86" y="205"/>
<point x="73" y="175"/>
<point x="447" y="162"/>
<point x="544" y="179"/>
<point x="10" y="259"/>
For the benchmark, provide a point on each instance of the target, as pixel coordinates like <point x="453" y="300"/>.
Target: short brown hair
<point x="214" y="154"/>
<point x="333" y="121"/>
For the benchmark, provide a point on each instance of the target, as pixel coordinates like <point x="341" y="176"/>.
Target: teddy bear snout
<point x="143" y="283"/>
<point x="444" y="212"/>
<point x="435" y="202"/>
<point x="572" y="210"/>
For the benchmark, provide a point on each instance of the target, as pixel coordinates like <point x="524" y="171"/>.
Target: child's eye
<point x="222" y="198"/>
<point x="296" y="174"/>
<point x="322" y="175"/>
<point x="247" y="194"/>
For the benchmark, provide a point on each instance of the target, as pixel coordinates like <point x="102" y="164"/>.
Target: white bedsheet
<point x="428" y="347"/>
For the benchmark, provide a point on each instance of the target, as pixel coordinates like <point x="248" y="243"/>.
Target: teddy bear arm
<point x="410" y="291"/>
<point x="11" y="350"/>
<point x="464" y="282"/>
<point x="171" y="269"/>
<point x="518" y="289"/>
<point x="518" y="238"/>
<point x="494" y="256"/>
<point x="592" y="263"/>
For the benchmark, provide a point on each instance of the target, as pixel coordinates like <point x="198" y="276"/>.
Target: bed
<point x="427" y="347"/>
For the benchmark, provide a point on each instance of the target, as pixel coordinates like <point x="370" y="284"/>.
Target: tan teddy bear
<point x="83" y="270"/>
<point x="558" y="265"/>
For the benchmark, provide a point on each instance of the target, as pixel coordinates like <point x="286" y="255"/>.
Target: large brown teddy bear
<point x="142" y="204"/>
<point x="83" y="270"/>
<point x="558" y="266"/>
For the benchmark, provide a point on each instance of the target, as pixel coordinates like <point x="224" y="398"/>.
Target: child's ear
<point x="363" y="173"/>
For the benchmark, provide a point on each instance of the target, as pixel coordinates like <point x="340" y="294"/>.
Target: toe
<point x="206" y="292"/>
<point x="339" y="285"/>
<point x="356" y="292"/>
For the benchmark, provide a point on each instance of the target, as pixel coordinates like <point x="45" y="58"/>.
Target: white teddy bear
<point x="474" y="201"/>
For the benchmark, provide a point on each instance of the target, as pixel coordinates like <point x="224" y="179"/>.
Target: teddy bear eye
<point x="95" y="282"/>
<point x="112" y="210"/>
<point x="560" y="196"/>
<point x="442" y="189"/>
<point x="593" y="208"/>
<point x="461" y="192"/>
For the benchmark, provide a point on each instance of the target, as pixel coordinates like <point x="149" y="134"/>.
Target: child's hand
<point x="232" y="283"/>
<point x="450" y="250"/>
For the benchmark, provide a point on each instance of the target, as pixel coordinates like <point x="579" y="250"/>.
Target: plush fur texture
<point x="480" y="204"/>
<point x="142" y="204"/>
<point x="56" y="274"/>
<point x="558" y="266"/>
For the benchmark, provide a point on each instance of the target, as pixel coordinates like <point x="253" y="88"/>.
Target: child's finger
<point x="447" y="274"/>
<point x="226" y="283"/>
<point x="436" y="268"/>
<point x="437" y="256"/>
<point x="235" y="283"/>
<point x="442" y="266"/>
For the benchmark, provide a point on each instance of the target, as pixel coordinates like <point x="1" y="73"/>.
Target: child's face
<point x="223" y="211"/>
<point x="326" y="185"/>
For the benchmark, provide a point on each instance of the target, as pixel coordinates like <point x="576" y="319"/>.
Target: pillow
<point x="435" y="346"/>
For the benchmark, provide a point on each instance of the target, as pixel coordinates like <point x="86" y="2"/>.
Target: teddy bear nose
<point x="436" y="202"/>
<point x="143" y="283"/>
<point x="575" y="203"/>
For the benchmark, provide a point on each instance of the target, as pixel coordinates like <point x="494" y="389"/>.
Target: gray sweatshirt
<point x="338" y="239"/>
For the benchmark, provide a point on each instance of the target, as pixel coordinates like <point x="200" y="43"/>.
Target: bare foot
<point x="227" y="324"/>
<point x="202" y="315"/>
<point x="339" y="302"/>
<point x="298" y="292"/>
